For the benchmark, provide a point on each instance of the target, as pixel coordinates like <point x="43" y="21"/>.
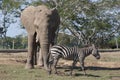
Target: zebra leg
<point x="54" y="64"/>
<point x="82" y="66"/>
<point x="73" y="65"/>
<point x="50" y="64"/>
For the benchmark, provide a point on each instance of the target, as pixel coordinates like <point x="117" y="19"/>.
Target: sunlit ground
<point x="107" y="68"/>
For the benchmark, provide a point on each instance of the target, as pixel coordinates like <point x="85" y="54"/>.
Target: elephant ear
<point x="55" y="17"/>
<point x="27" y="19"/>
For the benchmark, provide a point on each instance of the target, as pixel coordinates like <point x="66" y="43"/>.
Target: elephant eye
<point x="36" y="27"/>
<point x="40" y="10"/>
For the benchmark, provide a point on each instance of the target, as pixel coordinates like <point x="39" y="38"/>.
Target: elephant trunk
<point x="43" y="38"/>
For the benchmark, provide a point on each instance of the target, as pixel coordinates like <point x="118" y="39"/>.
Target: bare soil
<point x="108" y="59"/>
<point x="13" y="58"/>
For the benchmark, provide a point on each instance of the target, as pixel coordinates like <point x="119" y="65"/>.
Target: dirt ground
<point x="108" y="59"/>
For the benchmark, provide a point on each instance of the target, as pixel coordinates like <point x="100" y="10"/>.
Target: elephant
<point x="41" y="24"/>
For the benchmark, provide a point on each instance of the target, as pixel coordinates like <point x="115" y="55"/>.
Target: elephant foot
<point x="46" y="68"/>
<point x="40" y="66"/>
<point x="29" y="66"/>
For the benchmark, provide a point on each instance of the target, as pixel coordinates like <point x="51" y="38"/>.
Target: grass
<point x="16" y="71"/>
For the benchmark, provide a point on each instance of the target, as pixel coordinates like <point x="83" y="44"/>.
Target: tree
<point x="9" y="12"/>
<point x="8" y="8"/>
<point x="20" y="42"/>
<point x="88" y="20"/>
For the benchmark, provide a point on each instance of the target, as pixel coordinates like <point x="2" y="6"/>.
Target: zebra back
<point x="86" y="50"/>
<point x="63" y="51"/>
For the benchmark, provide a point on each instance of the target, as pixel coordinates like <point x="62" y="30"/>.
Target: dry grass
<point x="12" y="58"/>
<point x="107" y="68"/>
<point x="108" y="59"/>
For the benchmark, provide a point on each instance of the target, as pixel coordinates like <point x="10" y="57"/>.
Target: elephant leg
<point x="30" y="54"/>
<point x="40" y="59"/>
<point x="44" y="52"/>
<point x="35" y="53"/>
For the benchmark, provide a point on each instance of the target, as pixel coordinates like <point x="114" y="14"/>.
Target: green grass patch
<point x="17" y="72"/>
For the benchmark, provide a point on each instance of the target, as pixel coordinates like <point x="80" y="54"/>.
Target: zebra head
<point x="95" y="52"/>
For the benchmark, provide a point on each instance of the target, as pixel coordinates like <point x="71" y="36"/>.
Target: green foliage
<point x="10" y="4"/>
<point x="112" y="42"/>
<point x="65" y="39"/>
<point x="93" y="17"/>
<point x="9" y="13"/>
<point x="87" y="17"/>
<point x="19" y="42"/>
<point x="97" y="21"/>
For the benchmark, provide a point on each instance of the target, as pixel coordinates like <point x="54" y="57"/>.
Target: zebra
<point x="74" y="53"/>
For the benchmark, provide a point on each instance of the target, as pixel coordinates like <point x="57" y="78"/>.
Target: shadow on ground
<point x="101" y="68"/>
<point x="67" y="69"/>
<point x="90" y="68"/>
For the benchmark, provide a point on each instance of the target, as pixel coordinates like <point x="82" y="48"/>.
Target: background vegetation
<point x="82" y="22"/>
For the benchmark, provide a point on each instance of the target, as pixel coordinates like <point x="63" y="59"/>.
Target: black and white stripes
<point x="62" y="51"/>
<point x="74" y="53"/>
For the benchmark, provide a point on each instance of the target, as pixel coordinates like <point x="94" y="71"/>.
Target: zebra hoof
<point x="70" y="74"/>
<point x="56" y="73"/>
<point x="49" y="72"/>
<point x="85" y="74"/>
